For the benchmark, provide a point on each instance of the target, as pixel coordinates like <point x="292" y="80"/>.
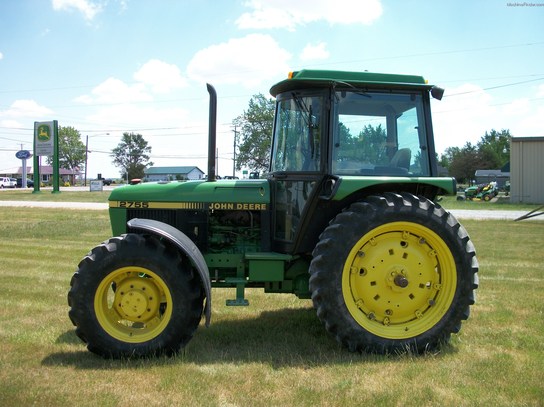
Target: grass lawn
<point x="46" y="195"/>
<point x="274" y="352"/>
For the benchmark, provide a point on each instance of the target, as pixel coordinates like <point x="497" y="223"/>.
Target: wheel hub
<point x="134" y="304"/>
<point x="394" y="278"/>
<point x="137" y="299"/>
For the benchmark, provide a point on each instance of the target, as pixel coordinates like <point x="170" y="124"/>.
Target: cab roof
<point x="323" y="78"/>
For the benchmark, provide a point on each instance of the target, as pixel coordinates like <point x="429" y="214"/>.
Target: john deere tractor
<point x="345" y="216"/>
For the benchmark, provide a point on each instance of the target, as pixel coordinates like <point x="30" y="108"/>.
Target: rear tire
<point x="133" y="296"/>
<point x="393" y="273"/>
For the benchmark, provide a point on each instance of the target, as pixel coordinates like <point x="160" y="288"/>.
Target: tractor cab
<point x="332" y="127"/>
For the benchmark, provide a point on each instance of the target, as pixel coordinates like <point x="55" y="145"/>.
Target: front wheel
<point x="393" y="273"/>
<point x="134" y="296"/>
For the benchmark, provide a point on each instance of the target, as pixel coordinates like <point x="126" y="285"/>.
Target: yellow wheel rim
<point x="399" y="280"/>
<point x="133" y="304"/>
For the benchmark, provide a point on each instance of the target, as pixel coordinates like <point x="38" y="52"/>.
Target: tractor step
<point x="240" y="301"/>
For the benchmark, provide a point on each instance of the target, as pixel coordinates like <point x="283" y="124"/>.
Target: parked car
<point x="29" y="183"/>
<point x="6" y="182"/>
<point x="105" y="181"/>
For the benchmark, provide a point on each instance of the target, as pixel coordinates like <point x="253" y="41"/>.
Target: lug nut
<point x="401" y="281"/>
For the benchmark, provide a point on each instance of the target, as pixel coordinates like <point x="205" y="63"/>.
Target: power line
<point x="491" y="78"/>
<point x="424" y="54"/>
<point x="436" y="112"/>
<point x="392" y="57"/>
<point x="494" y="87"/>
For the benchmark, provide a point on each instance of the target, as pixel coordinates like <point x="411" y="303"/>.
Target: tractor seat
<point x="402" y="158"/>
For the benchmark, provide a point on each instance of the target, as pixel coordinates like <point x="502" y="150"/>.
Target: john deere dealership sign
<point x="44" y="138"/>
<point x="46" y="142"/>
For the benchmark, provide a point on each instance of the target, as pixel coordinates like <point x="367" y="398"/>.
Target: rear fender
<point x="185" y="245"/>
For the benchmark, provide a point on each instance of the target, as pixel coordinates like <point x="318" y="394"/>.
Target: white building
<point x="172" y="173"/>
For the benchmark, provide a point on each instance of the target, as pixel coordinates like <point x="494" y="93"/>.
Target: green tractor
<point x="345" y="216"/>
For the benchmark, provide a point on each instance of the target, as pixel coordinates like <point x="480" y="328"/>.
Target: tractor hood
<point x="223" y="194"/>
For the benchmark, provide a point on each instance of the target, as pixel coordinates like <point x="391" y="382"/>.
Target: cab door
<point x="297" y="162"/>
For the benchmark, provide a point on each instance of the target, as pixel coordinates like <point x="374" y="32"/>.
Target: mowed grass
<point x="274" y="352"/>
<point x="46" y="195"/>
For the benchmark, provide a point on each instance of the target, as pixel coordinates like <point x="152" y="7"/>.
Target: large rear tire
<point x="393" y="273"/>
<point x="133" y="296"/>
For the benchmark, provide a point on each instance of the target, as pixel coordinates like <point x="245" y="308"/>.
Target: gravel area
<point x="488" y="214"/>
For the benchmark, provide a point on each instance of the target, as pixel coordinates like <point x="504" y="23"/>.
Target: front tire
<point x="133" y="296"/>
<point x="393" y="273"/>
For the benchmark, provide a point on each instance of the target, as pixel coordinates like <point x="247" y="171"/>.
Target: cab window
<point x="298" y="130"/>
<point x="379" y="134"/>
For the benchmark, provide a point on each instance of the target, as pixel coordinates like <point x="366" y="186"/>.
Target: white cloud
<point x="1" y="56"/>
<point x="314" y="52"/>
<point x="246" y="61"/>
<point x="467" y="116"/>
<point x="160" y="76"/>
<point x="113" y="91"/>
<point x="289" y="14"/>
<point x="463" y="115"/>
<point x="134" y="116"/>
<point x="540" y="91"/>
<point x="12" y="124"/>
<point x="152" y="78"/>
<point x="86" y="7"/>
<point x="527" y="118"/>
<point x="26" y="108"/>
<point x="518" y="107"/>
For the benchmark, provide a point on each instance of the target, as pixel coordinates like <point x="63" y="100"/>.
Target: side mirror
<point x="437" y="92"/>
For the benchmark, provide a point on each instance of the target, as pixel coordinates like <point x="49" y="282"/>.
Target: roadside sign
<point x="96" y="185"/>
<point x="46" y="142"/>
<point x="23" y="154"/>
<point x="43" y="133"/>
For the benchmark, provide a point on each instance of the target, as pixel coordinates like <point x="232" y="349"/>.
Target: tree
<point x="447" y="157"/>
<point x="132" y="156"/>
<point x="494" y="149"/>
<point x="464" y="163"/>
<point x="255" y="134"/>
<point x="372" y="144"/>
<point x="71" y="149"/>
<point x="491" y="152"/>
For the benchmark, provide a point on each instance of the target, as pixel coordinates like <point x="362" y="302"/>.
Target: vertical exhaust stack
<point x="212" y="132"/>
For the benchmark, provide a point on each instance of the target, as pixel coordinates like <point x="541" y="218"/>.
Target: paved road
<point x="458" y="213"/>
<point x="489" y="214"/>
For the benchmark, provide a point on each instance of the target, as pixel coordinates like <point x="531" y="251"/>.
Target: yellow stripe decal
<point x="156" y="205"/>
<point x="229" y="206"/>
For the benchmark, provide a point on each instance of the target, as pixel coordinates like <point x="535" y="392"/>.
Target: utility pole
<point x="129" y="154"/>
<point x="234" y="153"/>
<point x="87" y="152"/>
<point x="86" y="158"/>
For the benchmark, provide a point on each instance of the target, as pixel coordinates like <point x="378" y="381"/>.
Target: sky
<point x="106" y="67"/>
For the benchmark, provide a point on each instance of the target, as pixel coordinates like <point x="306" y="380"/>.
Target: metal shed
<point x="527" y="170"/>
<point x="486" y="176"/>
